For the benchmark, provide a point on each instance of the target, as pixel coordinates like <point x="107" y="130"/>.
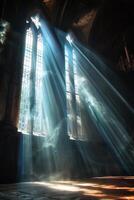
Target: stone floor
<point x="104" y="188"/>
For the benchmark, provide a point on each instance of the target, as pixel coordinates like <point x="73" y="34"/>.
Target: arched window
<point x="75" y="127"/>
<point x="31" y="111"/>
<point x="43" y="86"/>
<point x="24" y="116"/>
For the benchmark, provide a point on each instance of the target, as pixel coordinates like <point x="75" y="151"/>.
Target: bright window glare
<point x="36" y="21"/>
<point x="69" y="39"/>
<point x="24" y="117"/>
<point x="29" y="121"/>
<point x="39" y="125"/>
<point x="74" y="122"/>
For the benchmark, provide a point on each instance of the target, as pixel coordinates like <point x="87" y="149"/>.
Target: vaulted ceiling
<point x="101" y="24"/>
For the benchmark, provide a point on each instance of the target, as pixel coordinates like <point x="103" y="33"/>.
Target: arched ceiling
<point x="101" y="24"/>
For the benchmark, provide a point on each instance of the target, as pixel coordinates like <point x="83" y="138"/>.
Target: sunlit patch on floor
<point x="105" y="188"/>
<point x="99" y="188"/>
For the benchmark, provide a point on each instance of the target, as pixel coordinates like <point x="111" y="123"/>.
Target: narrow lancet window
<point x="24" y="116"/>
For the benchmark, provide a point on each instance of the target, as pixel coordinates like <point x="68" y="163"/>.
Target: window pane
<point x="24" y="117"/>
<point x="39" y="125"/>
<point x="32" y="120"/>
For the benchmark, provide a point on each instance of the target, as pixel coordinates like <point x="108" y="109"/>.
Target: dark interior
<point x="107" y="29"/>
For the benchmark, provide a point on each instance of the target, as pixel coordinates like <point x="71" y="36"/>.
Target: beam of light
<point x="106" y="115"/>
<point x="69" y="39"/>
<point x="108" y="124"/>
<point x="55" y="58"/>
<point x="48" y="154"/>
<point x="52" y="92"/>
<point x="95" y="90"/>
<point x="45" y="155"/>
<point x="103" y="77"/>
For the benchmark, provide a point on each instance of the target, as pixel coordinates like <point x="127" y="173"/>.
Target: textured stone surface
<point x="107" y="188"/>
